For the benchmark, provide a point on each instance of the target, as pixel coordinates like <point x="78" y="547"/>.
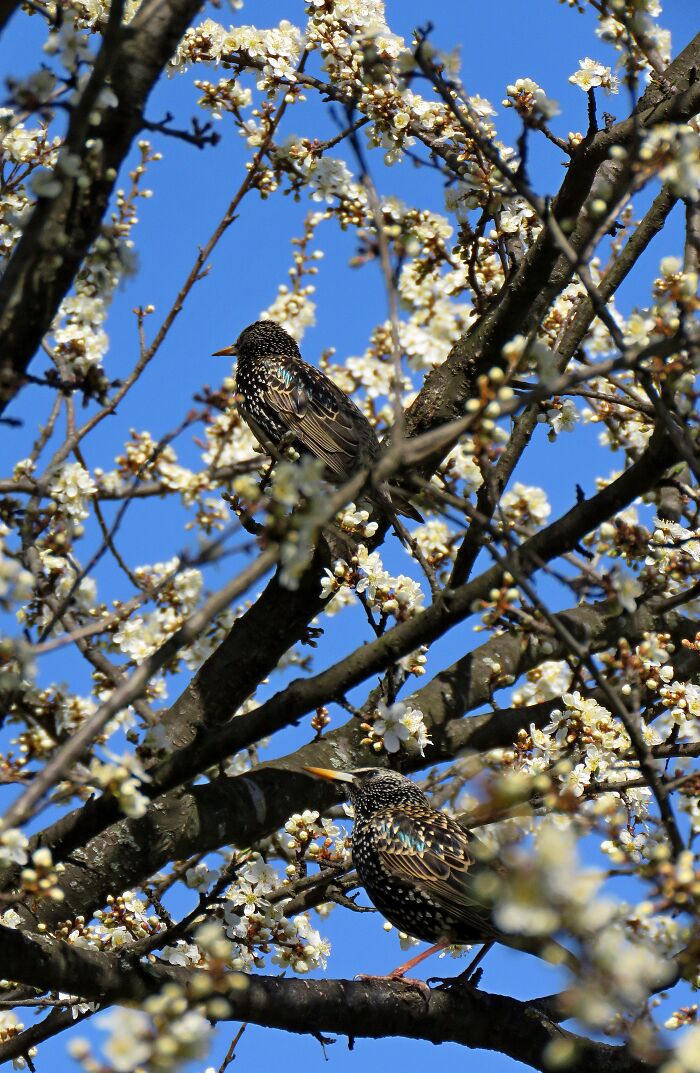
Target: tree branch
<point x="61" y="229"/>
<point x="368" y="1009"/>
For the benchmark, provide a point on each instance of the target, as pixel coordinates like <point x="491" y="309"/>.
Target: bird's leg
<point x="468" y="973"/>
<point x="400" y="973"/>
<point x="396" y="974"/>
<point x="277" y="454"/>
<point x="470" y="976"/>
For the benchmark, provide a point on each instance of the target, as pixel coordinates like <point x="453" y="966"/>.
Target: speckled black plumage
<point x="420" y="868"/>
<point x="415" y="862"/>
<point x="286" y="399"/>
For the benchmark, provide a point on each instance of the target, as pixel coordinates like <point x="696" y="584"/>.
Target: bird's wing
<point x="432" y="852"/>
<point x="320" y="416"/>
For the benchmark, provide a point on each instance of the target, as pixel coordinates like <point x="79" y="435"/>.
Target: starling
<point x="417" y="866"/>
<point x="291" y="403"/>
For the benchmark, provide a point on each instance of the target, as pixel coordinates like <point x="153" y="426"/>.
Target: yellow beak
<point x="332" y="776"/>
<point x="227" y="352"/>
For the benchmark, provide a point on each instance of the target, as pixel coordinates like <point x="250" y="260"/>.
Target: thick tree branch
<point x="368" y="1009"/>
<point x="61" y="229"/>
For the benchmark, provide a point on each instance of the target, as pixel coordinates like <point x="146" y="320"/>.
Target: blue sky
<point x="499" y="43"/>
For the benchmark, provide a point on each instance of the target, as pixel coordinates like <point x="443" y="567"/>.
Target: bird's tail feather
<point x="383" y="499"/>
<point x="402" y="504"/>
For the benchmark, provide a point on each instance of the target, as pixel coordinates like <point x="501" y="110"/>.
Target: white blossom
<point x="130" y="1043"/>
<point x="13" y="846"/>
<point x="70" y="488"/>
<point x="592" y="74"/>
<point x="400" y="726"/>
<point x="673" y="152"/>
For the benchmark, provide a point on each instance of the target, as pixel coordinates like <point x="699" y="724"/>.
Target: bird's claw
<point x="310" y="634"/>
<point x="454" y="983"/>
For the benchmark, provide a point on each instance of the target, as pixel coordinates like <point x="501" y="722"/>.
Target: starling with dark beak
<point x="291" y="403"/>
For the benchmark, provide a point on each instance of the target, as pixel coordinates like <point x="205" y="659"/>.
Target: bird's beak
<point x="227" y="352"/>
<point x="332" y="776"/>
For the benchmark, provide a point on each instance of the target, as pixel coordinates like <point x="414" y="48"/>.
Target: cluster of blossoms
<point x="361" y="55"/>
<point x="166" y="1034"/>
<point x="546" y="891"/>
<point x="530" y="100"/>
<point x="583" y="728"/>
<point x="373" y="372"/>
<point x="316" y="839"/>
<point x="77" y="330"/>
<point x="175" y="591"/>
<point x="353" y="519"/>
<point x="145" y="457"/>
<point x="669" y="555"/>
<point x="429" y="286"/>
<point x="52" y="714"/>
<point x="121" y="777"/>
<point x="226" y="96"/>
<point x="584" y="745"/>
<point x="671" y="151"/>
<point x="294" y="310"/>
<point x="92" y="15"/>
<point x="525" y="506"/>
<point x="623" y="538"/>
<point x="676" y="297"/>
<point x="10" y="1028"/>
<point x="460" y="471"/>
<point x="256" y="925"/>
<point x="41" y="878"/>
<point x="437" y="544"/>
<point x="397" y="726"/>
<point x="561" y="416"/>
<point x="273" y="53"/>
<point x="592" y="75"/>
<point x="676" y="294"/>
<point x="641" y="42"/>
<point x="16" y="583"/>
<point x="399" y="596"/>
<point x="679" y="700"/>
<point x="123" y="922"/>
<point x="70" y="489"/>
<point x="629" y="434"/>
<point x="673" y="552"/>
<point x="25" y="152"/>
